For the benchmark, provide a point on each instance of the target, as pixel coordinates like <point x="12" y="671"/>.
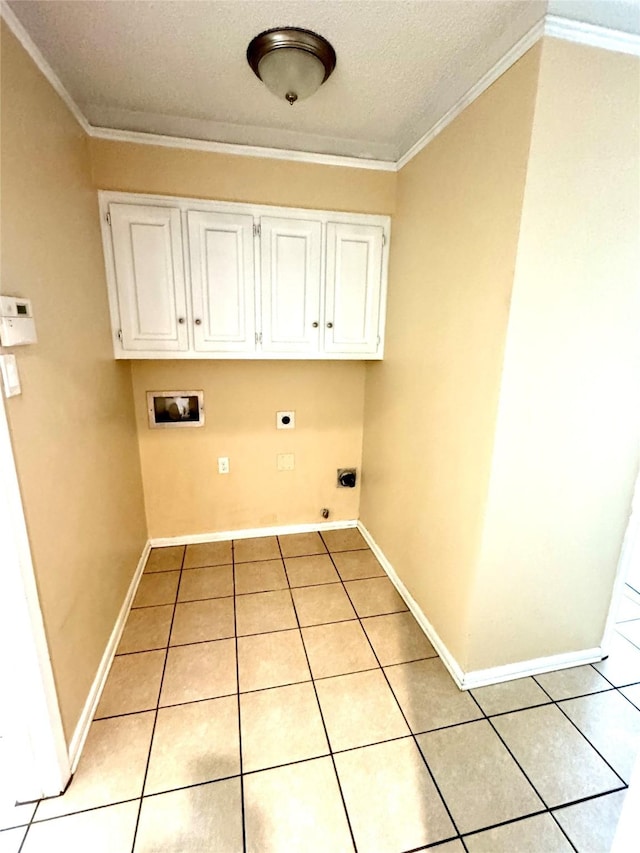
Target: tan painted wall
<point x="242" y="397"/>
<point x="566" y="450"/>
<point x="200" y="174"/>
<point x="73" y="428"/>
<point x="183" y="491"/>
<point x="431" y="404"/>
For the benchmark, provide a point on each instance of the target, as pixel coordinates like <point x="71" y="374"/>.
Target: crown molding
<point x="141" y="138"/>
<point x="551" y="25"/>
<point x="589" y="34"/>
<point x="510" y="58"/>
<point x="7" y="14"/>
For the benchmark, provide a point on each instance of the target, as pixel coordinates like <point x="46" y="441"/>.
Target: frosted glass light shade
<point x="292" y="63"/>
<point x="291" y="73"/>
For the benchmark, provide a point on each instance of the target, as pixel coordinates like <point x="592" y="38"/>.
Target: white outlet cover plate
<point x="281" y="418"/>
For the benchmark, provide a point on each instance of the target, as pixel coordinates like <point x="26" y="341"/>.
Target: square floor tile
<point x="338" y="649"/>
<point x="510" y="696"/>
<point x="192" y="820"/>
<point x="428" y="695"/>
<point x="592" y="825"/>
<point x="11" y="839"/>
<point x="280" y="726"/>
<point x="165" y="559"/>
<point x="271" y="660"/>
<point x="577" y="681"/>
<point x="194" y="743"/>
<point x="261" y="576"/>
<point x="301" y="544"/>
<point x="208" y="554"/>
<point x="261" y="548"/>
<point x="196" y="621"/>
<point x="627" y="609"/>
<point x="296" y="808"/>
<point x="359" y="709"/>
<point x="11" y="815"/>
<point x="146" y="628"/>
<point x="200" y="671"/>
<point x="479" y="780"/>
<point x="262" y="612"/>
<point x="210" y="582"/>
<point x="631" y="631"/>
<point x="530" y="835"/>
<point x="353" y="565"/>
<point x="157" y="588"/>
<point x="397" y="638"/>
<point x="391" y="800"/>
<point x="133" y="684"/>
<point x="556" y="758"/>
<point x="310" y="571"/>
<point x="111" y="768"/>
<point x="611" y="724"/>
<point x="349" y="539"/>
<point x="316" y="605"/>
<point x="622" y="667"/>
<point x="374" y="597"/>
<point x="104" y="830"/>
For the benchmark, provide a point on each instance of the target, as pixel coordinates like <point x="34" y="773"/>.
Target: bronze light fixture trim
<point x="293" y="63"/>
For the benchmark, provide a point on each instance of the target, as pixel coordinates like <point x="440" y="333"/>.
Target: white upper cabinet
<point x="290" y="263"/>
<point x="222" y="281"/>
<point x="202" y="279"/>
<point x="149" y="273"/>
<point x="353" y="291"/>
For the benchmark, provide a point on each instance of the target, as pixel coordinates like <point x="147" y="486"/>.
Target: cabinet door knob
<point x="198" y="322"/>
<point x="181" y="320"/>
<point x="329" y="325"/>
<point x="315" y="325"/>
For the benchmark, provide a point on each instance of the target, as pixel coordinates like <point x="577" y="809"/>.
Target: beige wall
<point x="183" y="492"/>
<point x="566" y="450"/>
<point x="73" y="428"/>
<point x="200" y="174"/>
<point x="431" y="404"/>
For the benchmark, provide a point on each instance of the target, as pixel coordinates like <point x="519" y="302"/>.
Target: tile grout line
<point x="235" y="635"/>
<point x="315" y="692"/>
<point x="359" y="618"/>
<point x="155" y="720"/>
<point x="526" y="776"/>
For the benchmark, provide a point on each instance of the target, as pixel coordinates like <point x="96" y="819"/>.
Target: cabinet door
<point x="147" y="253"/>
<point x="222" y="281"/>
<point x="353" y="290"/>
<point x="290" y="266"/>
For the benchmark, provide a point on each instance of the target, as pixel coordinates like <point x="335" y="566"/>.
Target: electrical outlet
<point x="285" y="420"/>
<point x="223" y="464"/>
<point x="286" y="461"/>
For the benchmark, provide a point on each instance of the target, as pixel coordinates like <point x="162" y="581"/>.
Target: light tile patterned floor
<point x="276" y="695"/>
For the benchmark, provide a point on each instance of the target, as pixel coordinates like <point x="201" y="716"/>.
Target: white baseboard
<point x="478" y="677"/>
<point x="86" y="717"/>
<point x="432" y="635"/>
<point x="251" y="533"/>
<point x="535" y="666"/>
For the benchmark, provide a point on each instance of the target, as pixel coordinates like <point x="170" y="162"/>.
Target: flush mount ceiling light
<point x="292" y="63"/>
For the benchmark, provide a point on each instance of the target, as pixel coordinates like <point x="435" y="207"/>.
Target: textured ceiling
<point x="178" y="68"/>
